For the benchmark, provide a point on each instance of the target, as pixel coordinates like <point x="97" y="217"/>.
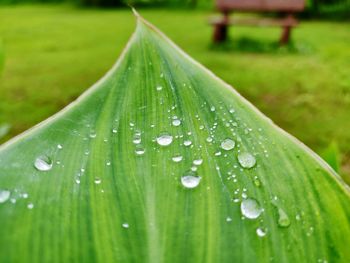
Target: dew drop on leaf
<point x="30" y="206"/>
<point x="190" y="179"/>
<point x="250" y="208"/>
<point x="283" y="219"/>
<point x="139" y="150"/>
<point x="176" y="122"/>
<point x="198" y="162"/>
<point x="43" y="163"/>
<point x="177" y="158"/>
<point x="228" y="144"/>
<point x="187" y="143"/>
<point x="164" y="139"/>
<point x="261" y="232"/>
<point x="125" y="225"/>
<point x="246" y="160"/>
<point x="97" y="180"/>
<point x="4" y="196"/>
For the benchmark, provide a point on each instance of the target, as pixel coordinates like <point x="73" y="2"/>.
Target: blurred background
<point x="53" y="50"/>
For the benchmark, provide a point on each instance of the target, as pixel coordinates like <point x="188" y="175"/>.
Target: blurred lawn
<point x="54" y="53"/>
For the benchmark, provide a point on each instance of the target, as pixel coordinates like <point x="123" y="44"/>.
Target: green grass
<point x="304" y="88"/>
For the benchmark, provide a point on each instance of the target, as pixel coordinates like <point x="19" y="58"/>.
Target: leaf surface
<point x="95" y="184"/>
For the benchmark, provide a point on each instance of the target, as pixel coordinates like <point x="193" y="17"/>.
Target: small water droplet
<point x="92" y="135"/>
<point x="261" y="232"/>
<point x="159" y="88"/>
<point x="246" y="160"/>
<point x="164" y="139"/>
<point x="228" y="219"/>
<point x="187" y="143"/>
<point x="177" y="158"/>
<point x="137" y="138"/>
<point x="176" y="122"/>
<point x="212" y="108"/>
<point x="4" y="196"/>
<point x="59" y="146"/>
<point x="125" y="225"/>
<point x="228" y="144"/>
<point x="283" y="219"/>
<point x="232" y="110"/>
<point x="43" y="163"/>
<point x="250" y="208"/>
<point x="198" y="162"/>
<point x="139" y="150"/>
<point x="190" y="179"/>
<point x="209" y="139"/>
<point x="97" y="180"/>
<point x="30" y="206"/>
<point x="114" y="130"/>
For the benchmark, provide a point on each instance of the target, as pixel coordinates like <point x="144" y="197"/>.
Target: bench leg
<point x="220" y="33"/>
<point x="286" y="32"/>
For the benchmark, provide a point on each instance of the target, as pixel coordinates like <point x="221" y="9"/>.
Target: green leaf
<point x="93" y="183"/>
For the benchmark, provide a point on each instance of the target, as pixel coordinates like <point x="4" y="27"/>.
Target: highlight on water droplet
<point x="283" y="219"/>
<point x="246" y="160"/>
<point x="43" y="163"/>
<point x="228" y="144"/>
<point x="261" y="231"/>
<point x="97" y="180"/>
<point x="30" y="206"/>
<point x="190" y="179"/>
<point x="228" y="219"/>
<point x="125" y="225"/>
<point x="250" y="208"/>
<point x="159" y="88"/>
<point x="59" y="146"/>
<point x="164" y="139"/>
<point x="4" y="196"/>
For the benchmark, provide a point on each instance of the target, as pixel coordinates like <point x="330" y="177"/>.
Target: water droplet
<point x="228" y="219"/>
<point x="212" y="108"/>
<point x="59" y="146"/>
<point x="114" y="130"/>
<point x="137" y="138"/>
<point x="159" y="88"/>
<point x="232" y="110"/>
<point x="30" y="206"/>
<point x="246" y="160"/>
<point x="187" y="143"/>
<point x="125" y="225"/>
<point x="283" y="219"/>
<point x="209" y="139"/>
<point x="92" y="135"/>
<point x="198" y="162"/>
<point x="190" y="179"/>
<point x="139" y="150"/>
<point x="43" y="163"/>
<point x="164" y="139"/>
<point x="97" y="180"/>
<point x="250" y="208"/>
<point x="4" y="196"/>
<point x="176" y="122"/>
<point x="228" y="144"/>
<point x="177" y="158"/>
<point x="261" y="232"/>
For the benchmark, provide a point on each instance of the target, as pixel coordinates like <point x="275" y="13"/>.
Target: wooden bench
<point x="287" y="8"/>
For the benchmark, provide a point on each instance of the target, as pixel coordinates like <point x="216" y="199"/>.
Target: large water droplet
<point x="228" y="144"/>
<point x="164" y="139"/>
<point x="177" y="158"/>
<point x="250" y="208"/>
<point x="4" y="196"/>
<point x="261" y="232"/>
<point x="190" y="179"/>
<point x="246" y="160"/>
<point x="283" y="219"/>
<point x="43" y="163"/>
